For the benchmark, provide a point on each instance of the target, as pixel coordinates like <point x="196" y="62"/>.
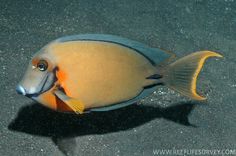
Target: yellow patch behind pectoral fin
<point x="76" y="105"/>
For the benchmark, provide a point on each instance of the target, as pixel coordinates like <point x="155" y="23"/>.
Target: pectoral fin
<point x="76" y="105"/>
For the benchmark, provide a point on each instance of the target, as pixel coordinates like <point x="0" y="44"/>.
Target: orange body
<point x="97" y="73"/>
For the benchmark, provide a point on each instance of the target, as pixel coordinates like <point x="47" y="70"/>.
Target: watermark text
<point x="186" y="152"/>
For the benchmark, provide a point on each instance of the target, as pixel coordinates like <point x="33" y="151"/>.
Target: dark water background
<point x="164" y="120"/>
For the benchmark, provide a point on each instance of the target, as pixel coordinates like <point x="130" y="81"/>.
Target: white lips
<point x="20" y="90"/>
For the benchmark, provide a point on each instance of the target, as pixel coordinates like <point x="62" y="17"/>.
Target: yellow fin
<point x="76" y="105"/>
<point x="182" y="74"/>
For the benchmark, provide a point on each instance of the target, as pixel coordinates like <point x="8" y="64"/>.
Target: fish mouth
<point x="32" y="95"/>
<point x="32" y="85"/>
<point x="21" y="90"/>
<point x="45" y="84"/>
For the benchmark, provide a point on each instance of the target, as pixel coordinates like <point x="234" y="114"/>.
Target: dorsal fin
<point x="155" y="55"/>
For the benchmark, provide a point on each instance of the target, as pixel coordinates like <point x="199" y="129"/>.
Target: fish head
<point x="39" y="77"/>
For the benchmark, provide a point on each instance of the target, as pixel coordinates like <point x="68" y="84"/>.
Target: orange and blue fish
<point x="98" y="72"/>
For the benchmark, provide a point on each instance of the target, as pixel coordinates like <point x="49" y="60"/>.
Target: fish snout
<point x="20" y="90"/>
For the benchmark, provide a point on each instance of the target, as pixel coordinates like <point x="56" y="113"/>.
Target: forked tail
<point x="182" y="74"/>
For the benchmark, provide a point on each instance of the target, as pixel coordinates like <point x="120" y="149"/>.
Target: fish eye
<point x="42" y="65"/>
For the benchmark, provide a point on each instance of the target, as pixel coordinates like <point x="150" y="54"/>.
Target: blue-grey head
<point x="39" y="76"/>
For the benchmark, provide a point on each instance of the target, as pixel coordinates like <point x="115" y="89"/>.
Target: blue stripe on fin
<point x="143" y="94"/>
<point x="155" y="55"/>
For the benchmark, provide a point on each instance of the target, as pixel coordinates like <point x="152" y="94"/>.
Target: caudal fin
<point x="182" y="74"/>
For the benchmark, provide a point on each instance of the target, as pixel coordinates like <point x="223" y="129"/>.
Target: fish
<point x="101" y="72"/>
